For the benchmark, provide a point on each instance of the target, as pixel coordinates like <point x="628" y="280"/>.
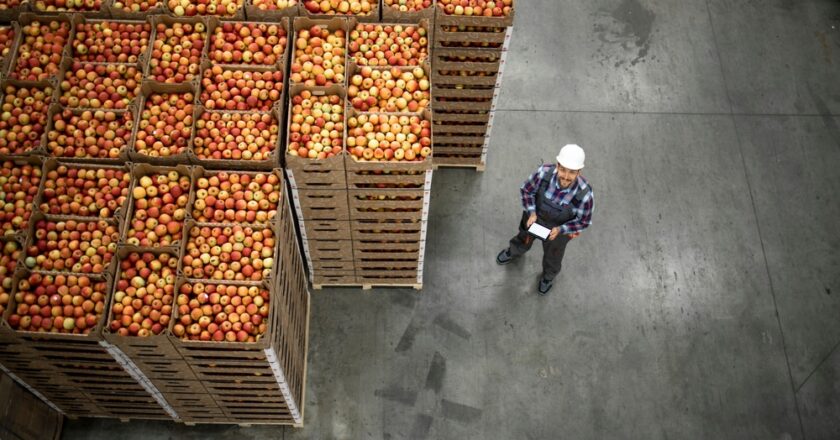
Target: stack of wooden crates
<point x="468" y="62"/>
<point x="362" y="223"/>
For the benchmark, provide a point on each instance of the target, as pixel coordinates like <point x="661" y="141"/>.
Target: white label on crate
<point x="271" y="357"/>
<point x="427" y="186"/>
<point x="508" y="36"/>
<point x="31" y="390"/>
<point x="291" y="178"/>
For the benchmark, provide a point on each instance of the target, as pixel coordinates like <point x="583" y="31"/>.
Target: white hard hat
<point x="571" y="156"/>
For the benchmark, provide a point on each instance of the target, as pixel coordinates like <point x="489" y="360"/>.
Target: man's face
<point x="565" y="176"/>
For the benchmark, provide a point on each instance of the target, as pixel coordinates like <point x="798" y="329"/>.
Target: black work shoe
<point x="504" y="257"/>
<point x="545" y="286"/>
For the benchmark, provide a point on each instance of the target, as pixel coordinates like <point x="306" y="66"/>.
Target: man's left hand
<point x="554" y="233"/>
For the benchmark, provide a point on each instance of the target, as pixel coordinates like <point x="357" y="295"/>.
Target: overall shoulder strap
<point x="582" y="193"/>
<point x="546" y="178"/>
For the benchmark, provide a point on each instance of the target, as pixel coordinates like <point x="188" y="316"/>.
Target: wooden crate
<point x="388" y="175"/>
<point x="472" y="31"/>
<point x="271" y="162"/>
<point x="255" y="13"/>
<point x="24" y="416"/>
<point x="376" y="230"/>
<point x="150" y="88"/>
<point x="321" y="205"/>
<point x="305" y="173"/>
<point x="392" y="14"/>
<point x="371" y="17"/>
<point x="327" y="230"/>
<point x="143" y="169"/>
<point x="388" y="204"/>
<point x="39" y="7"/>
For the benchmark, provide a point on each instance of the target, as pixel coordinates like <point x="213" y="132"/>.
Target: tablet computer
<point x="539" y="231"/>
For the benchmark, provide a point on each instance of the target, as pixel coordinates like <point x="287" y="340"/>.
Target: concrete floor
<point x="704" y="302"/>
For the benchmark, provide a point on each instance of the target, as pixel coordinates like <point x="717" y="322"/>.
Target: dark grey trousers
<point x="553" y="250"/>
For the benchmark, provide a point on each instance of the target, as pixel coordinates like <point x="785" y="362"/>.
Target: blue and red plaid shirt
<point x="582" y="210"/>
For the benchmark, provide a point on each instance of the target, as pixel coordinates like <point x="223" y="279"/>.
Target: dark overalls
<point x="549" y="214"/>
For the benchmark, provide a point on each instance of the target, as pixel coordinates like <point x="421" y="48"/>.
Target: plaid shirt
<point x="583" y="213"/>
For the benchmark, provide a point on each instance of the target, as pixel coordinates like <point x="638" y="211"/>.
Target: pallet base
<point x="479" y="167"/>
<point x="368" y="286"/>
<point x="242" y="425"/>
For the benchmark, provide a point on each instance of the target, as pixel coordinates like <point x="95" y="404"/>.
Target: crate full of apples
<point x="111" y="41"/>
<point x="488" y="13"/>
<point x="23" y="117"/>
<point x="236" y="139"/>
<point x="58" y="305"/>
<point x="320" y="52"/>
<point x="19" y="183"/>
<point x="249" y="43"/>
<point x="228" y="9"/>
<point x="272" y="10"/>
<point x="89" y="8"/>
<point x="43" y="42"/>
<point x="240" y="315"/>
<point x="89" y="135"/>
<point x="382" y="44"/>
<point x="315" y="137"/>
<point x="165" y="123"/>
<point x="407" y="11"/>
<point x="389" y="90"/>
<point x="157" y="207"/>
<point x="177" y="47"/>
<point x="361" y="10"/>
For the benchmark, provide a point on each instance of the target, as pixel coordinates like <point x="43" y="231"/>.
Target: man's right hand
<point x="531" y="219"/>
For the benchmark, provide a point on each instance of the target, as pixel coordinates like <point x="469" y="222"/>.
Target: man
<point x="559" y="198"/>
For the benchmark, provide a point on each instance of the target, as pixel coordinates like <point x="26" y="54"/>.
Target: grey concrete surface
<point x="704" y="303"/>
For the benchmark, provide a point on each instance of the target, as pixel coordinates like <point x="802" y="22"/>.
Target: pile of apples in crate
<point x="378" y="112"/>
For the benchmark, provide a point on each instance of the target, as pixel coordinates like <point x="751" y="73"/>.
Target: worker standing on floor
<point x="558" y="198"/>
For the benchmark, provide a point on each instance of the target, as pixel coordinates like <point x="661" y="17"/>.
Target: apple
<point x="225" y="197"/>
<point x="236" y="89"/>
<point x="235" y="136"/>
<point x="72" y="303"/>
<point x="176" y="52"/>
<point x="483" y="8"/>
<point x="165" y="124"/>
<point x="99" y="134"/>
<point x="386" y="138"/>
<point x="160" y="207"/>
<point x="105" y="86"/>
<point x="259" y="44"/>
<point x="11" y="252"/>
<point x="319" y="57"/>
<point x="40" y="50"/>
<point x="229" y="253"/>
<point x="144" y="294"/>
<point x="391" y="90"/>
<point x="221" y="312"/>
<point x="18" y="188"/>
<point x="111" y="41"/>
<point x="274" y="5"/>
<point x="316" y="125"/>
<point x="135" y="6"/>
<point x="408" y="5"/>
<point x="388" y="45"/>
<point x="84" y="191"/>
<point x="23" y="118"/>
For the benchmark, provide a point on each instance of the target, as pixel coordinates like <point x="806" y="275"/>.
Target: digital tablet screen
<point x="539" y="231"/>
